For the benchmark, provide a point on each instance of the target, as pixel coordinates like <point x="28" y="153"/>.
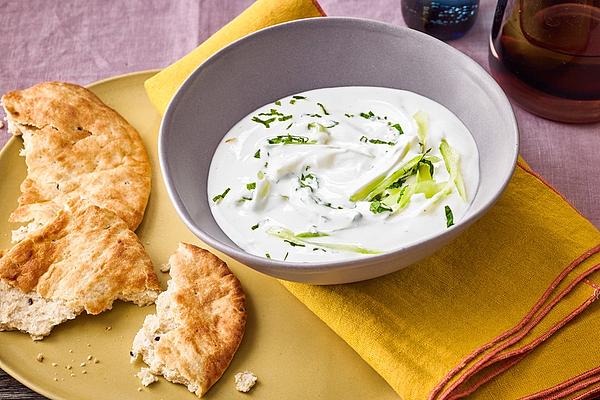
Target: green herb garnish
<point x="289" y="126"/>
<point x="293" y="244"/>
<point x="378" y="207"/>
<point x="349" y="115"/>
<point x="268" y="255"/>
<point x="286" y="256"/>
<point x="257" y="154"/>
<point x="254" y="227"/>
<point x="365" y="139"/>
<point x="284" y="118"/>
<point x="398" y="128"/>
<point x="278" y="103"/>
<point x="251" y="186"/>
<point x="290" y="139"/>
<point x="271" y="113"/>
<point x="323" y="108"/>
<point x="315" y="115"/>
<point x="221" y="196"/>
<point x="368" y="115"/>
<point x="297" y="97"/>
<point x="449" y="217"/>
<point x="266" y="122"/>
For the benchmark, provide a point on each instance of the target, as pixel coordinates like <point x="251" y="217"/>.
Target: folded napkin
<point x="505" y="311"/>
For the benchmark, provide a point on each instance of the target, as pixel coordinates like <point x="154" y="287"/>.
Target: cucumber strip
<point x="422" y="120"/>
<point x="405" y="170"/>
<point x="452" y="162"/>
<point x="286" y="234"/>
<point x="362" y="193"/>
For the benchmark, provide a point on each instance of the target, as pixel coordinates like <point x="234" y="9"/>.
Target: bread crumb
<point x="54" y="364"/>
<point x="72" y="375"/>
<point x="82" y="364"/>
<point x="139" y="389"/>
<point x="244" y="381"/>
<point x="89" y="357"/>
<point x="68" y="367"/>
<point x="40" y="357"/>
<point x="70" y="350"/>
<point x="84" y="372"/>
<point x="165" y="268"/>
<point x="55" y="379"/>
<point x="146" y="376"/>
<point x="96" y="361"/>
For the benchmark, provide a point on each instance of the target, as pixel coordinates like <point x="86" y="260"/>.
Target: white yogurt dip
<point x="340" y="173"/>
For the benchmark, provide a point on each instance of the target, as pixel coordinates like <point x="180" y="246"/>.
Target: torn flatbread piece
<point x="84" y="259"/>
<point x="199" y="322"/>
<point x="75" y="146"/>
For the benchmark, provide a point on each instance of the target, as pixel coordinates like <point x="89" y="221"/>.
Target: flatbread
<point x="82" y="260"/>
<point x="75" y="147"/>
<point x="199" y="322"/>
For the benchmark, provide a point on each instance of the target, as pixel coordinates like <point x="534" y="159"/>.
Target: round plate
<point x="294" y="354"/>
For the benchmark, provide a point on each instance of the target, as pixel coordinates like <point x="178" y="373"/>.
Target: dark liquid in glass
<point x="444" y="19"/>
<point x="546" y="55"/>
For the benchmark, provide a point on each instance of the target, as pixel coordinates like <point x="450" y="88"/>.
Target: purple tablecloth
<point x="83" y="41"/>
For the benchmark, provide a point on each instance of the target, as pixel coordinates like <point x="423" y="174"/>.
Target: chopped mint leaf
<point x="397" y="127"/>
<point x="290" y="139"/>
<point x="292" y="101"/>
<point x="221" y="196"/>
<point x="254" y="227"/>
<point x="294" y="244"/>
<point x="264" y="122"/>
<point x="286" y="256"/>
<point x="289" y="126"/>
<point x="377" y="141"/>
<point x="278" y="103"/>
<point x="349" y="115"/>
<point x="368" y="115"/>
<point x="378" y="207"/>
<point x="397" y="184"/>
<point x="272" y="112"/>
<point x="364" y="139"/>
<point x="297" y="97"/>
<point x="245" y="198"/>
<point x="251" y="186"/>
<point x="257" y="154"/>
<point x="449" y="217"/>
<point x="315" y="115"/>
<point x="268" y="255"/>
<point x="312" y="125"/>
<point x="323" y="108"/>
<point x="284" y="118"/>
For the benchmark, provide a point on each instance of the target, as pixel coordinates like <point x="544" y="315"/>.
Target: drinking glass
<point x="546" y="56"/>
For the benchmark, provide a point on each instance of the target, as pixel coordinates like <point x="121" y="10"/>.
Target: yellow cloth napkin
<point x="505" y="311"/>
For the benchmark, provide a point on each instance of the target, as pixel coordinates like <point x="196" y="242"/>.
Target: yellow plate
<point x="294" y="354"/>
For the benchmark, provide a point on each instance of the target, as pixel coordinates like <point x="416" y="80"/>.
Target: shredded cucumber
<point x="452" y="162"/>
<point x="422" y="120"/>
<point x="288" y="235"/>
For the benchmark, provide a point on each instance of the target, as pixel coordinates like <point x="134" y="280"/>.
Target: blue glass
<point x="444" y="19"/>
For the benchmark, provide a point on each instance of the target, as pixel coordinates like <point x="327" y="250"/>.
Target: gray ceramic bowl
<point x="324" y="52"/>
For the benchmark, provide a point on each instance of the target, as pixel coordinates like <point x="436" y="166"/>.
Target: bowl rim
<point x="301" y="267"/>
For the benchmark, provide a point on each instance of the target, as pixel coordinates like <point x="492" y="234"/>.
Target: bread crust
<point x="199" y="322"/>
<point x="86" y="257"/>
<point x="76" y="146"/>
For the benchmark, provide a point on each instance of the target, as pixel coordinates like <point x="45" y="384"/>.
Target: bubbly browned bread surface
<point x="75" y="146"/>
